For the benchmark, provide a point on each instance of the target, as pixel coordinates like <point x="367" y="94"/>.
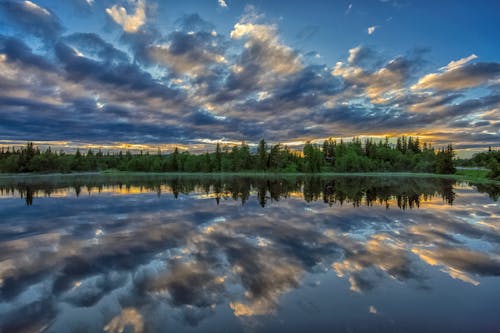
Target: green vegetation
<point x="407" y="155"/>
<point x="489" y="160"/>
<point x="473" y="174"/>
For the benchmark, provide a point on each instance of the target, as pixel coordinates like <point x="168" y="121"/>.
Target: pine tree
<point x="218" y="159"/>
<point x="262" y="155"/>
<point x="175" y="160"/>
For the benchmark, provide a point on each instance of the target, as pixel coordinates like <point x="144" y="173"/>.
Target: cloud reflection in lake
<point x="175" y="254"/>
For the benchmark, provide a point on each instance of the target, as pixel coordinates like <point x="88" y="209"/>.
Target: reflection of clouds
<point x="264" y="272"/>
<point x="128" y="317"/>
<point x="380" y="252"/>
<point x="90" y="291"/>
<point x="74" y="259"/>
<point x="189" y="283"/>
<point x="265" y="280"/>
<point x="458" y="262"/>
<point x="191" y="258"/>
<point x="40" y="314"/>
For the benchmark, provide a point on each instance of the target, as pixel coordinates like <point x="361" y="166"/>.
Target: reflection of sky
<point x="149" y="263"/>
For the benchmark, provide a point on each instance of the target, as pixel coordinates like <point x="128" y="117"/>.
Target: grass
<point x="474" y="175"/>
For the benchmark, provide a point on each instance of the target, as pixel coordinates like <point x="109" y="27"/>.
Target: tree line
<point x="407" y="154"/>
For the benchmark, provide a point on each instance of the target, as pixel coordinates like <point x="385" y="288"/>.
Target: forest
<point x="407" y="154"/>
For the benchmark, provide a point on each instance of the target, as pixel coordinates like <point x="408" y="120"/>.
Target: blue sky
<point x="146" y="74"/>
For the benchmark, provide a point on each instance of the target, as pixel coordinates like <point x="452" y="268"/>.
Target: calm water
<point x="91" y="254"/>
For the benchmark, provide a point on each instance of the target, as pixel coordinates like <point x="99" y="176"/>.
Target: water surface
<point x="189" y="254"/>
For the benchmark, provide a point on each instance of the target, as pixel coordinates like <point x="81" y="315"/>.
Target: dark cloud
<point x="17" y="51"/>
<point x="40" y="313"/>
<point x="363" y="56"/>
<point x="88" y="294"/>
<point x="32" y="18"/>
<point x="91" y="44"/>
<point x="203" y="118"/>
<point x="125" y="75"/>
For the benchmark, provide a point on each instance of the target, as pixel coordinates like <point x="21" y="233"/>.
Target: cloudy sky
<point x="149" y="73"/>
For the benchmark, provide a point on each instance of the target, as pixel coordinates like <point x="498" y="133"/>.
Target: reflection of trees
<point x="27" y="193"/>
<point x="387" y="191"/>
<point x="492" y="190"/>
<point x="406" y="192"/>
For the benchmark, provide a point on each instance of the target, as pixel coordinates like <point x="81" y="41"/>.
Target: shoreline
<point x="48" y="176"/>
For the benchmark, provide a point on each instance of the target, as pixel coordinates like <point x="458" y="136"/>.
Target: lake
<point x="240" y="254"/>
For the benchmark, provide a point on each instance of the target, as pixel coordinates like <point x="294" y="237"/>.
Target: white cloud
<point x="222" y="3"/>
<point x="90" y="2"/>
<point x="129" y="22"/>
<point x="458" y="63"/>
<point x="371" y="29"/>
<point x="273" y="55"/>
<point x="35" y="8"/>
<point x="373" y="310"/>
<point x="353" y="54"/>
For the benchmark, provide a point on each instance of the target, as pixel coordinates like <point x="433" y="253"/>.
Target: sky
<point x="148" y="74"/>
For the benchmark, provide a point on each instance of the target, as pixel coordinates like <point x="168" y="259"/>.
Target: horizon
<point x="145" y="74"/>
<point x="202" y="149"/>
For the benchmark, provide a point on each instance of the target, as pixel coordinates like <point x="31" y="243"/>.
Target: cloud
<point x="130" y="23"/>
<point x="189" y="53"/>
<point x="222" y="3"/>
<point x="16" y="50"/>
<point x="459" y="75"/>
<point x="35" y="8"/>
<point x="264" y="49"/>
<point x="458" y="63"/>
<point x="32" y="18"/>
<point x="127" y="317"/>
<point x="459" y="262"/>
<point x="191" y="284"/>
<point x="380" y="85"/>
<point x="41" y="314"/>
<point x="361" y="55"/>
<point x="379" y="251"/>
<point x="93" y="46"/>
<point x="371" y="29"/>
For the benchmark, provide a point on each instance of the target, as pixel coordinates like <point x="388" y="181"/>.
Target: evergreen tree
<point x="218" y="158"/>
<point x="262" y="155"/>
<point x="175" y="160"/>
